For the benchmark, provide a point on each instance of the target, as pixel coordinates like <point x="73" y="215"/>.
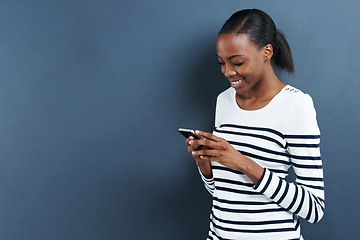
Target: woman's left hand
<point x="222" y="152"/>
<point x="219" y="150"/>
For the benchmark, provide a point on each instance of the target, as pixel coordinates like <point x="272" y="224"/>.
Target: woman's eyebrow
<point x="239" y="55"/>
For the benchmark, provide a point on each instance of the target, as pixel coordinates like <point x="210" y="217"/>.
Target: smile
<point x="236" y="82"/>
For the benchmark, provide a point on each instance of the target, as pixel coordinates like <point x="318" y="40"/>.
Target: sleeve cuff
<point x="264" y="181"/>
<point x="209" y="180"/>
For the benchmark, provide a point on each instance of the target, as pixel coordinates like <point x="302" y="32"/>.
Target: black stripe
<point x="241" y="202"/>
<point x="317" y="199"/>
<point x="209" y="189"/>
<point x="233" y="182"/>
<point x="311" y="186"/>
<point x="210" y="181"/>
<point x="213" y="233"/>
<point x="249" y="210"/>
<point x="267" y="183"/>
<point x="316" y="215"/>
<point x="251" y="155"/>
<point x="297" y="224"/>
<point x="277" y="189"/>
<point x="305" y="157"/>
<point x="254" y="128"/>
<point x="307" y="166"/>
<point x="310" y="207"/>
<point x="253" y="230"/>
<point x="303" y="145"/>
<point x="251" y="135"/>
<point x="278" y="171"/>
<point x="301" y="202"/>
<point x="258" y="148"/>
<point x="226" y="169"/>
<point x="237" y="191"/>
<point x="294" y="199"/>
<point x="303" y="136"/>
<point x="260" y="180"/>
<point x="310" y="178"/>
<point x="284" y="193"/>
<point x="252" y="222"/>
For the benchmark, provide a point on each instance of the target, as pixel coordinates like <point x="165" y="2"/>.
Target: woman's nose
<point x="229" y="72"/>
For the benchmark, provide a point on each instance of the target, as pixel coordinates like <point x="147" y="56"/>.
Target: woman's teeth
<point x="236" y="82"/>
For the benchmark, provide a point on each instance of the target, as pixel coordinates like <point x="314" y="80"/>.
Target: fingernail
<point x="197" y="131"/>
<point x="191" y="142"/>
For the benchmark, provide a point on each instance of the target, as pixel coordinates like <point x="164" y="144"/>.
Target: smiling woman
<point x="263" y="127"/>
<point x="245" y="65"/>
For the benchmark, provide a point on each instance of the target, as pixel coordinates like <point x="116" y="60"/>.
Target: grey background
<point x="92" y="93"/>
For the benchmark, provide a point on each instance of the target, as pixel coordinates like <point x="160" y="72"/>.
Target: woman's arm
<point x="306" y="196"/>
<point x="219" y="150"/>
<point x="204" y="166"/>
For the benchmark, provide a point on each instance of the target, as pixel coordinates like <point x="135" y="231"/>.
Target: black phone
<point x="188" y="132"/>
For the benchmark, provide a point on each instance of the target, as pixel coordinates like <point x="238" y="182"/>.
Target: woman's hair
<point x="261" y="30"/>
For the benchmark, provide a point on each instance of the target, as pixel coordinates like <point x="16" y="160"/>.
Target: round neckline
<point x="260" y="109"/>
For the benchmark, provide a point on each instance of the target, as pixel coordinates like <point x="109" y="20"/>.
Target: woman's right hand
<point x="192" y="146"/>
<point x="204" y="165"/>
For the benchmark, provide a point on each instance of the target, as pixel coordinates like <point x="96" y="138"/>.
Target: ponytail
<point x="261" y="30"/>
<point x="282" y="57"/>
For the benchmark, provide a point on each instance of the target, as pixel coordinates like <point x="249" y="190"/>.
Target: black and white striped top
<point x="281" y="135"/>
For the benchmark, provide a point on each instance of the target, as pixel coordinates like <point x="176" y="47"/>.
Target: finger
<point x="193" y="145"/>
<point x="188" y="140"/>
<point x="195" y="142"/>
<point x="208" y="143"/>
<point x="206" y="152"/>
<point x="207" y="135"/>
<point x="208" y="158"/>
<point x="194" y="154"/>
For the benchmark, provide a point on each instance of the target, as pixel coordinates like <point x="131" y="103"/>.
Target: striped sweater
<point x="281" y="135"/>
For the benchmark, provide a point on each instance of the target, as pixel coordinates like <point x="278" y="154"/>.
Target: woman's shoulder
<point x="227" y="94"/>
<point x="288" y="98"/>
<point x="292" y="92"/>
<point x="292" y="101"/>
<point x="301" y="112"/>
<point x="292" y="95"/>
<point x="227" y="91"/>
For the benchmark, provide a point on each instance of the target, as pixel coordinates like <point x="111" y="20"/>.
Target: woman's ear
<point x="268" y="52"/>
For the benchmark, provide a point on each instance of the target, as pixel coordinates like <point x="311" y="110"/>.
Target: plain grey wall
<point x="92" y="93"/>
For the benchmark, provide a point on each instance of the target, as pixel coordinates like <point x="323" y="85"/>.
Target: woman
<point x="263" y="127"/>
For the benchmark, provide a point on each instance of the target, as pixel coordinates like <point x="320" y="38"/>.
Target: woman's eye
<point x="221" y="63"/>
<point x="238" y="64"/>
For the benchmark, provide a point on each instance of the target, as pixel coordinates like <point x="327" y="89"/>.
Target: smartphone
<point x="188" y="132"/>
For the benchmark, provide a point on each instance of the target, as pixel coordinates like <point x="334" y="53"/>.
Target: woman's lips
<point x="234" y="83"/>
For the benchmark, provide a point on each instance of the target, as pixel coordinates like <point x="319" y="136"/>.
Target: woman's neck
<point x="262" y="93"/>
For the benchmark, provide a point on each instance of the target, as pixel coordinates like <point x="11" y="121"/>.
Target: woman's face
<point x="242" y="62"/>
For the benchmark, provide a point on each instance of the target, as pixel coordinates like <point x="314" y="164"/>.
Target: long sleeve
<point x="208" y="183"/>
<point x="304" y="197"/>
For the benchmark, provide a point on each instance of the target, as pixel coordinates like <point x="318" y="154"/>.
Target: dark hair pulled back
<point x="261" y="30"/>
